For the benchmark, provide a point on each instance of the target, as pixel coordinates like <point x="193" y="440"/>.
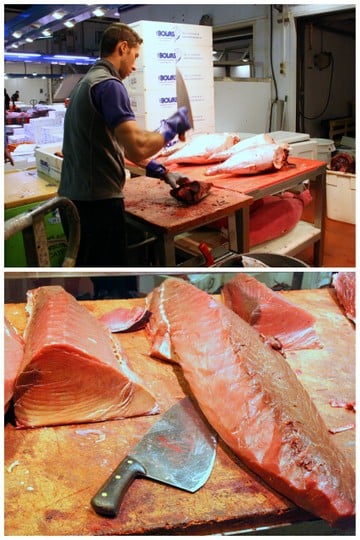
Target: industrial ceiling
<point x="24" y="24"/>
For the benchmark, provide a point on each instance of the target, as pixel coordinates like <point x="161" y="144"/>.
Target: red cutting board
<point x="52" y="473"/>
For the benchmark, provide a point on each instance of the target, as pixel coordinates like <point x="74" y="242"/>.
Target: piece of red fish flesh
<point x="345" y="288"/>
<point x="199" y="149"/>
<point x="254" y="160"/>
<point x="73" y="370"/>
<point x="243" y="144"/>
<point x="253" y="399"/>
<point x="190" y="191"/>
<point x="125" y="319"/>
<point x="270" y="313"/>
<point x="13" y="358"/>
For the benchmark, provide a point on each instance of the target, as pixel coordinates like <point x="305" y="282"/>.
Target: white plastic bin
<point x="341" y="196"/>
<point x="325" y="147"/>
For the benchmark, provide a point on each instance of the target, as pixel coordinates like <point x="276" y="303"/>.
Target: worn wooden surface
<point x="25" y="187"/>
<point x="52" y="473"/>
<point x="149" y="199"/>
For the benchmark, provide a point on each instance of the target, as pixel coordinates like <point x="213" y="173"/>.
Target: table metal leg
<point x="165" y="250"/>
<point x="319" y="186"/>
<point x="239" y="230"/>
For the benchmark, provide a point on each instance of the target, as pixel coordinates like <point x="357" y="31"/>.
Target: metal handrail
<point x="31" y="224"/>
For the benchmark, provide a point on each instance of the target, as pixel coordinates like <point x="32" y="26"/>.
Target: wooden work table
<point x="150" y="207"/>
<point x="52" y="473"/>
<point x="26" y="187"/>
<point x="289" y="177"/>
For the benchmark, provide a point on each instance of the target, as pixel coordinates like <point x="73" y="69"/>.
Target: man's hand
<point x="155" y="169"/>
<point x="8" y="156"/>
<point x="177" y="124"/>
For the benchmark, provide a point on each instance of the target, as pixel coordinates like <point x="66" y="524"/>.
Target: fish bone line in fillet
<point x="255" y="402"/>
<point x="73" y="370"/>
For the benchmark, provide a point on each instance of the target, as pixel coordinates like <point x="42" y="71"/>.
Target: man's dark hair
<point x="115" y="33"/>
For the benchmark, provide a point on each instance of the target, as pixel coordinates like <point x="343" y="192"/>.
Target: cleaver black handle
<point x="108" y="499"/>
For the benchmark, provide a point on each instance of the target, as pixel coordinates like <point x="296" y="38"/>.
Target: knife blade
<point x="182" y="95"/>
<point x="178" y="450"/>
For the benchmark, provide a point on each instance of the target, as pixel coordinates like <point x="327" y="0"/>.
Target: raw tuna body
<point x="345" y="287"/>
<point x="73" y="370"/>
<point x="253" y="160"/>
<point x="244" y="144"/>
<point x="253" y="399"/>
<point x="201" y="147"/>
<point x="270" y="313"/>
<point x="13" y="358"/>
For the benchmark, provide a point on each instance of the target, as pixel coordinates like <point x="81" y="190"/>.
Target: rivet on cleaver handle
<point x="179" y="450"/>
<point x="108" y="499"/>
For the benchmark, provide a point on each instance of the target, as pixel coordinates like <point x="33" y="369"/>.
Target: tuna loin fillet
<point x="254" y="401"/>
<point x="73" y="370"/>
<point x="345" y="287"/>
<point x="270" y="313"/>
<point x="13" y="358"/>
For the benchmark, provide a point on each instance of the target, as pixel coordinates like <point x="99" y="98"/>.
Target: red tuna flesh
<point x="13" y="358"/>
<point x="125" y="320"/>
<point x="73" y="370"/>
<point x="254" y="401"/>
<point x="345" y="287"/>
<point x="270" y="313"/>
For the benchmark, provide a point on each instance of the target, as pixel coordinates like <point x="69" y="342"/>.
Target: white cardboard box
<point x="47" y="163"/>
<point x="341" y="196"/>
<point x="158" y="78"/>
<point x="169" y="33"/>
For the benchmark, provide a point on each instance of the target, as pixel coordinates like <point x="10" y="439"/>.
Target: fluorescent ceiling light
<point x="58" y="14"/>
<point x="99" y="12"/>
<point x="17" y="34"/>
<point x="29" y="40"/>
<point x="69" y="24"/>
<point x="71" y="57"/>
<point x="46" y="32"/>
<point x="23" y="56"/>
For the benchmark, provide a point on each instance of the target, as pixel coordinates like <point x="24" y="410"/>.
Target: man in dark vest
<point x="100" y="130"/>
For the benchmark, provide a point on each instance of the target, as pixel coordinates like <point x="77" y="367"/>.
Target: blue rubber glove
<point x="177" y="124"/>
<point x="155" y="169"/>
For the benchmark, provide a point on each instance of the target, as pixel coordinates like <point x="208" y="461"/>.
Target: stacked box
<point x="152" y="88"/>
<point x="47" y="163"/>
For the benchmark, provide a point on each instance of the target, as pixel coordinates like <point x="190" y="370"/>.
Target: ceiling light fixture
<point x="58" y="14"/>
<point x="29" y="40"/>
<point x="70" y="24"/>
<point x="98" y="12"/>
<point x="46" y="32"/>
<point x="17" y="34"/>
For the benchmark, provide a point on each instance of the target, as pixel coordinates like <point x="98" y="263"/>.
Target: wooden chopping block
<point x="52" y="473"/>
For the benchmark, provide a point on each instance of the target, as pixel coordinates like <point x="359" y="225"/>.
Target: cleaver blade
<point x="179" y="450"/>
<point x="182" y="96"/>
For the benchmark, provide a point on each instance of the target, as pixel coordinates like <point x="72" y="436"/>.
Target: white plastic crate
<point x="341" y="196"/>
